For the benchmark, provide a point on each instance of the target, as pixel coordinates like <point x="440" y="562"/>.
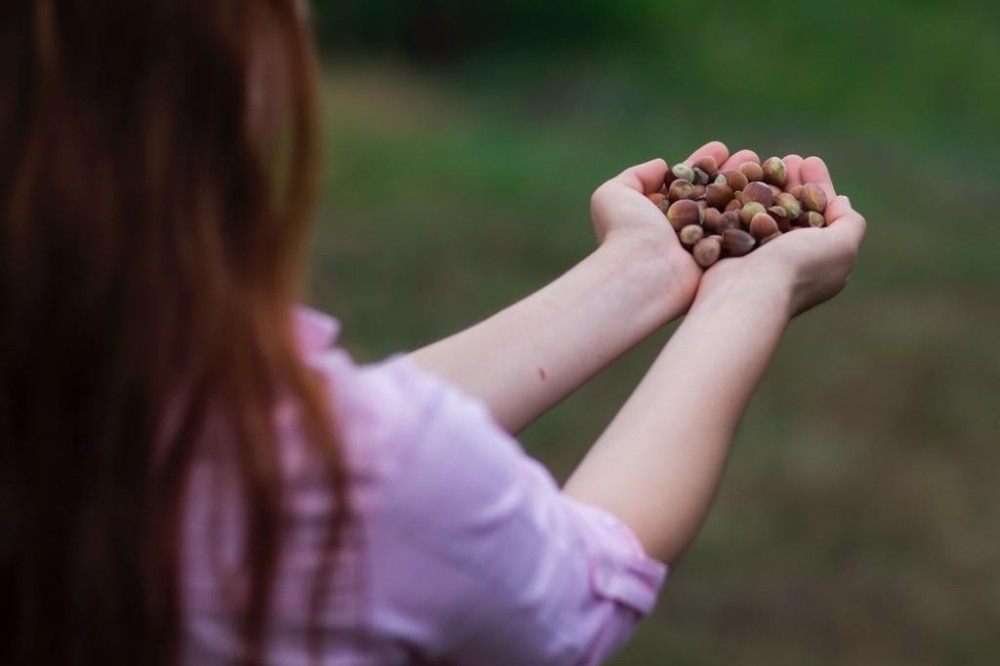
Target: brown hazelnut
<point x="791" y="205"/>
<point x="753" y="171"/>
<point x="684" y="212"/>
<point x="737" y="242"/>
<point x="700" y="177"/>
<point x="780" y="216"/>
<point x="760" y="193"/>
<point x="763" y="225"/>
<point x="813" y="197"/>
<point x="735" y="179"/>
<point x="709" y="165"/>
<point x="681" y="189"/>
<point x="683" y="172"/>
<point x="718" y="195"/>
<point x="775" y="172"/>
<point x="691" y="234"/>
<point x="707" y="251"/>
<point x="748" y="211"/>
<point x="710" y="218"/>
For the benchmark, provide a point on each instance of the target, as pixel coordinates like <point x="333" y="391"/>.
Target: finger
<point x="845" y="222"/>
<point x="644" y="178"/>
<point x="814" y="170"/>
<point x="793" y="166"/>
<point x="715" y="149"/>
<point x="738" y="158"/>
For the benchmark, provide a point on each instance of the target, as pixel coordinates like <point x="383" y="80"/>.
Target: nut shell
<point x="737" y="242"/>
<point x="748" y="211"/>
<point x="775" y="172"/>
<point x="709" y="165"/>
<point x="791" y="205"/>
<point x="814" y="219"/>
<point x="707" y="251"/>
<point x="683" y="213"/>
<point x="691" y="234"/>
<point x="760" y="193"/>
<point x="718" y="195"/>
<point x="681" y="189"/>
<point x="763" y="226"/>
<point x="813" y="198"/>
<point x="753" y="171"/>
<point x="700" y="177"/>
<point x="735" y="179"/>
<point x="710" y="218"/>
<point x="780" y="216"/>
<point x="683" y="172"/>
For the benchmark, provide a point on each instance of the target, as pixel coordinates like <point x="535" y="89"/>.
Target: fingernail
<point x="847" y="200"/>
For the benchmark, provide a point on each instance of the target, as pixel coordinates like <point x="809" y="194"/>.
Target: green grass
<point x="857" y="521"/>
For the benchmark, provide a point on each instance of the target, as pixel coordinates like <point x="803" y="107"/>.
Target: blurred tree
<point x="443" y="29"/>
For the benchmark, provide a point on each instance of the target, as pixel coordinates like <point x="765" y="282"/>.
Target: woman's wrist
<point x="770" y="290"/>
<point x="662" y="278"/>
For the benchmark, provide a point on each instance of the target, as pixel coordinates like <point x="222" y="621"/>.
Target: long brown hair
<point x="157" y="165"/>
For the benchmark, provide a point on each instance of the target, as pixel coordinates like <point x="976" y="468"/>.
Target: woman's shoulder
<point x="392" y="415"/>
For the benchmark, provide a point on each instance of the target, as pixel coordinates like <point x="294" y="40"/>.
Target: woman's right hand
<point x="804" y="267"/>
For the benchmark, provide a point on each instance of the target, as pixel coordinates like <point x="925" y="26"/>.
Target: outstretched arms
<point x="659" y="462"/>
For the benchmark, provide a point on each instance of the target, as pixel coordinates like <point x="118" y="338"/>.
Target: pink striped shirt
<point x="467" y="550"/>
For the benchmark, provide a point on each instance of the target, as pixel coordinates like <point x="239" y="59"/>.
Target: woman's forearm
<point x="659" y="462"/>
<point x="531" y="355"/>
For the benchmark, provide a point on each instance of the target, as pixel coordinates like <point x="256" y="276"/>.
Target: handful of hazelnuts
<point x="730" y="213"/>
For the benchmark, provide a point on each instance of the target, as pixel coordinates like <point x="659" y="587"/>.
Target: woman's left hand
<point x="624" y="216"/>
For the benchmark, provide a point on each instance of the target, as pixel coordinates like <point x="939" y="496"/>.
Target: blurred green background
<point x="858" y="521"/>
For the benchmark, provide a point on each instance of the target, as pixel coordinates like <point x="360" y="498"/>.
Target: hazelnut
<point x="780" y="216"/>
<point x="691" y="234"/>
<point x="682" y="213"/>
<point x="775" y="172"/>
<point x="735" y="179"/>
<point x="760" y="193"/>
<point x="700" y="177"/>
<point x="737" y="242"/>
<point x="753" y="171"/>
<point x="734" y="205"/>
<point x="813" y="197"/>
<point x="681" y="189"/>
<point x="762" y="226"/>
<point x="814" y="219"/>
<point x="791" y="205"/>
<point x="656" y="197"/>
<point x="718" y="195"/>
<point x="748" y="211"/>
<point x="683" y="172"/>
<point x="709" y="165"/>
<point x="730" y="220"/>
<point x="796" y="191"/>
<point x="710" y="218"/>
<point x="707" y="251"/>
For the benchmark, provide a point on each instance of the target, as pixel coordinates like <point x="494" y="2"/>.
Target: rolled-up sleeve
<point x="478" y="555"/>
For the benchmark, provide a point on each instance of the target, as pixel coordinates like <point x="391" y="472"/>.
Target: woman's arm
<point x="528" y="357"/>
<point x="658" y="464"/>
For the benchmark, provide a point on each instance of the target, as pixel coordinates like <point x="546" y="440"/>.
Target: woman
<point x="192" y="473"/>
